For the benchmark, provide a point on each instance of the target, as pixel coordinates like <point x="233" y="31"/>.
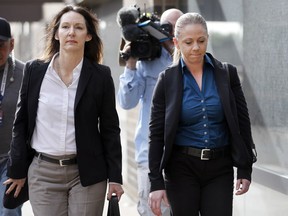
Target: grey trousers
<point x="57" y="191"/>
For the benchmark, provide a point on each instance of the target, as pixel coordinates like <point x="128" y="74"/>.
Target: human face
<point x="170" y="16"/>
<point x="6" y="48"/>
<point x="192" y="43"/>
<point x="72" y="33"/>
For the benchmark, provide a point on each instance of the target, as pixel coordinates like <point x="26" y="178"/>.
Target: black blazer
<point x="97" y="129"/>
<point x="165" y="113"/>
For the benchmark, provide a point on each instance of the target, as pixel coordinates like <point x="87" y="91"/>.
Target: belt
<point x="61" y="162"/>
<point x="204" y="154"/>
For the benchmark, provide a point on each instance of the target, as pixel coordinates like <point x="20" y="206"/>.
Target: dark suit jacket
<point x="10" y="101"/>
<point x="97" y="129"/>
<point x="165" y="113"/>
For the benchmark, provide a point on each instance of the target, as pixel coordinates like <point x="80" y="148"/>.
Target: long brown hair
<point x="93" y="49"/>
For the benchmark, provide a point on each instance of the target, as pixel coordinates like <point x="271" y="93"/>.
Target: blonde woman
<point x="199" y="130"/>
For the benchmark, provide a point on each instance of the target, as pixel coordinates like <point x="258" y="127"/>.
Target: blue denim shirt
<point x="202" y="121"/>
<point x="136" y="86"/>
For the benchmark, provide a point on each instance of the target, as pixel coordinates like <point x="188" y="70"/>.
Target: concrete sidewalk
<point x="126" y="205"/>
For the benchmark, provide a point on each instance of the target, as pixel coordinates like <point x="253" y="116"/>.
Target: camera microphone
<point x="127" y="18"/>
<point x="143" y="31"/>
<point x="127" y="15"/>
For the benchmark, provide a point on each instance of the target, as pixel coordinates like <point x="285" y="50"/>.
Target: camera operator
<point x="136" y="86"/>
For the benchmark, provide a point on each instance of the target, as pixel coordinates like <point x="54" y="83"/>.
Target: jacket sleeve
<point x="20" y="151"/>
<point x="243" y="122"/>
<point x="110" y="132"/>
<point x="156" y="136"/>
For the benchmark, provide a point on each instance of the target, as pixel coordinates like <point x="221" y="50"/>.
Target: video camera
<point x="144" y="32"/>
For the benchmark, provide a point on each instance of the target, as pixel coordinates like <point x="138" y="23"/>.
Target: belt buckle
<point x="62" y="161"/>
<point x="203" y="151"/>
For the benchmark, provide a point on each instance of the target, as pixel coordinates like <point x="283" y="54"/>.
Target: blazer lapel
<point x="173" y="107"/>
<point x="36" y="74"/>
<point x="85" y="75"/>
<point x="221" y="81"/>
<point x="224" y="90"/>
<point x="174" y="96"/>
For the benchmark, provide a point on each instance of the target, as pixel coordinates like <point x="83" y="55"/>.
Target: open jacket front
<point x="165" y="114"/>
<point x="97" y="130"/>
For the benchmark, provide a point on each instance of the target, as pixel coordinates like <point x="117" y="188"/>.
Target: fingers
<point x="166" y="202"/>
<point x="12" y="187"/>
<point x="238" y="184"/>
<point x="115" y="189"/>
<point x="127" y="46"/>
<point x="155" y="199"/>
<point x="242" y="186"/>
<point x="17" y="191"/>
<point x="15" y="184"/>
<point x="8" y="181"/>
<point x="155" y="206"/>
<point x="157" y="212"/>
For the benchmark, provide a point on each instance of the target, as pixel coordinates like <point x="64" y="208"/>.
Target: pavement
<point x="127" y="207"/>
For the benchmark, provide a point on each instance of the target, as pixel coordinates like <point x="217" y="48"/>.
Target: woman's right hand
<point x="14" y="183"/>
<point x="155" y="199"/>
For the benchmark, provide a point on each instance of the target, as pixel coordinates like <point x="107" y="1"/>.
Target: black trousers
<point x="198" y="187"/>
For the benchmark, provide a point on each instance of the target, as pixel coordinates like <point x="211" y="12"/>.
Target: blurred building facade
<point x="249" y="34"/>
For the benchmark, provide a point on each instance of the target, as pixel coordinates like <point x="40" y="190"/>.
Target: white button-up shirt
<point x="54" y="131"/>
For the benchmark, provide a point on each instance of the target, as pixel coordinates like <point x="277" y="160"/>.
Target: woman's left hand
<point x="242" y="186"/>
<point x="115" y="188"/>
<point x="155" y="200"/>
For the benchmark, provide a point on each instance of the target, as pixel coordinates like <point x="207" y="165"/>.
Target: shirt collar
<point x="207" y="60"/>
<point x="76" y="70"/>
